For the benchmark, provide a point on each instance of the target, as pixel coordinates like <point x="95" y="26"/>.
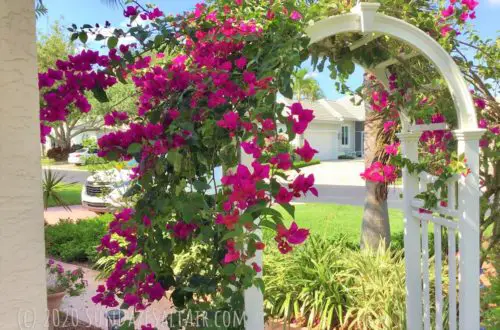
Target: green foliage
<point x="90" y="143"/>
<point x="305" y="87"/>
<point x="94" y="160"/>
<point x="69" y="241"/>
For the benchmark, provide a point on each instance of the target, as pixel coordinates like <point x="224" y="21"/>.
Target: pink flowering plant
<point x="61" y="280"/>
<point x="197" y="110"/>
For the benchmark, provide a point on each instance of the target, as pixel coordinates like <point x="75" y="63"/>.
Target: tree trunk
<point x="375" y="228"/>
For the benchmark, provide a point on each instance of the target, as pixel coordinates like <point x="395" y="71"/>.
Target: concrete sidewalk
<point x="53" y="214"/>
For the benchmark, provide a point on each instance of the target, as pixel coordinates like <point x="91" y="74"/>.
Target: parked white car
<point x="78" y="157"/>
<point x="104" y="190"/>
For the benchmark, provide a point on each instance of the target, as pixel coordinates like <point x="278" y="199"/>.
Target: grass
<point x="333" y="220"/>
<point x="47" y="161"/>
<point x="301" y="163"/>
<point x="71" y="194"/>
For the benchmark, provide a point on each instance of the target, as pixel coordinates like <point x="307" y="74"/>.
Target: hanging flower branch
<point x="196" y="111"/>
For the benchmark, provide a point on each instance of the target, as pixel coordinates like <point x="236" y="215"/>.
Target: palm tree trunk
<point x="375" y="228"/>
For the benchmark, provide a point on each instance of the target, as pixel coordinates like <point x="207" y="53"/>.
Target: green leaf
<point x="134" y="148"/>
<point x="99" y="37"/>
<point x="233" y="233"/>
<point x="74" y="36"/>
<point x="112" y="42"/>
<point x="289" y="208"/>
<point x="201" y="185"/>
<point x="127" y="325"/>
<point x="100" y="94"/>
<point x="83" y="37"/>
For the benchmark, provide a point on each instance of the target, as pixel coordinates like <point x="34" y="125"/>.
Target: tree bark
<point x="375" y="228"/>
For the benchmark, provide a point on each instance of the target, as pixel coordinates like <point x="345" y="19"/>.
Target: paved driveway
<point x="339" y="182"/>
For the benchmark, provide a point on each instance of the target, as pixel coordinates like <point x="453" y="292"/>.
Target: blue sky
<point x="94" y="11"/>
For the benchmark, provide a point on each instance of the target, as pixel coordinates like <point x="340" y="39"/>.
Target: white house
<point x="337" y="129"/>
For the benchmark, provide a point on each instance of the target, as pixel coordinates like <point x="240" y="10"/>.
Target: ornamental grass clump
<point x="308" y="286"/>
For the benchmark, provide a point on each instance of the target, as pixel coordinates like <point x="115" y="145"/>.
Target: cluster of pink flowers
<point x="463" y="10"/>
<point x="436" y="140"/>
<point x="494" y="129"/>
<point x="379" y="100"/>
<point x="135" y="282"/>
<point x="181" y="229"/>
<point x="378" y="172"/>
<point x="115" y="117"/>
<point x="66" y="86"/>
<point x="392" y="149"/>
<point x="133" y="11"/>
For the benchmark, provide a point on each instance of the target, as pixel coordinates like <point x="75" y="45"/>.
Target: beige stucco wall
<point x="22" y="272"/>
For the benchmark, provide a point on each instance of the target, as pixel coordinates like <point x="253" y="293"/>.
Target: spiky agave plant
<point x="52" y="182"/>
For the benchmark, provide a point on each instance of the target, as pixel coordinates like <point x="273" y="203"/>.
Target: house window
<point x="345" y="135"/>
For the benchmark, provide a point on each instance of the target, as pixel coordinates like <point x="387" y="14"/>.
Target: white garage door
<point x="323" y="141"/>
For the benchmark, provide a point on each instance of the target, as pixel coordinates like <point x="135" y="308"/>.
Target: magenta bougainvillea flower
<point x="378" y="172"/>
<point x="306" y="152"/>
<point x="285" y="237"/>
<point x="450" y="10"/>
<point x="131" y="11"/>
<point x="295" y="15"/>
<point x="392" y="149"/>
<point x="300" y="117"/>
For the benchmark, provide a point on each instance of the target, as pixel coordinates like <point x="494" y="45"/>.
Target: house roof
<point x="332" y="111"/>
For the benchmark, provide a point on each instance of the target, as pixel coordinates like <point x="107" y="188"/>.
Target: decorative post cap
<point x="366" y="12"/>
<point x="469" y="134"/>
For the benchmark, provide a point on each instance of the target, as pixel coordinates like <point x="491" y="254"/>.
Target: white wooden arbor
<point x="462" y="213"/>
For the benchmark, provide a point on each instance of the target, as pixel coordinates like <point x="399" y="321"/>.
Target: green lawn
<point x="70" y="194"/>
<point x="47" y="161"/>
<point x="332" y="220"/>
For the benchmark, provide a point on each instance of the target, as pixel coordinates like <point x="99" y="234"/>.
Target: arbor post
<point x="469" y="244"/>
<point x="412" y="248"/>
<point x="254" y="299"/>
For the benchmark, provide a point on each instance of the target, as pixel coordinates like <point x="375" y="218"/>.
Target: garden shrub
<point x="94" y="160"/>
<point x="58" y="154"/>
<point x="70" y="241"/>
<point x="346" y="157"/>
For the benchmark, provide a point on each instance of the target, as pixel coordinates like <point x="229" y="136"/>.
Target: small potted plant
<point x="61" y="282"/>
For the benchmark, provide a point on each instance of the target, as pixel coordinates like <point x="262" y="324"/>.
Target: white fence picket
<point x="437" y="282"/>
<point x="425" y="269"/>
<point x="452" y="276"/>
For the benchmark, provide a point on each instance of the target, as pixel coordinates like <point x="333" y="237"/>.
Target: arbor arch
<point x="365" y="19"/>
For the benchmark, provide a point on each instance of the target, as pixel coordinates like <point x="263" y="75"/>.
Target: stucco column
<point x="22" y="269"/>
